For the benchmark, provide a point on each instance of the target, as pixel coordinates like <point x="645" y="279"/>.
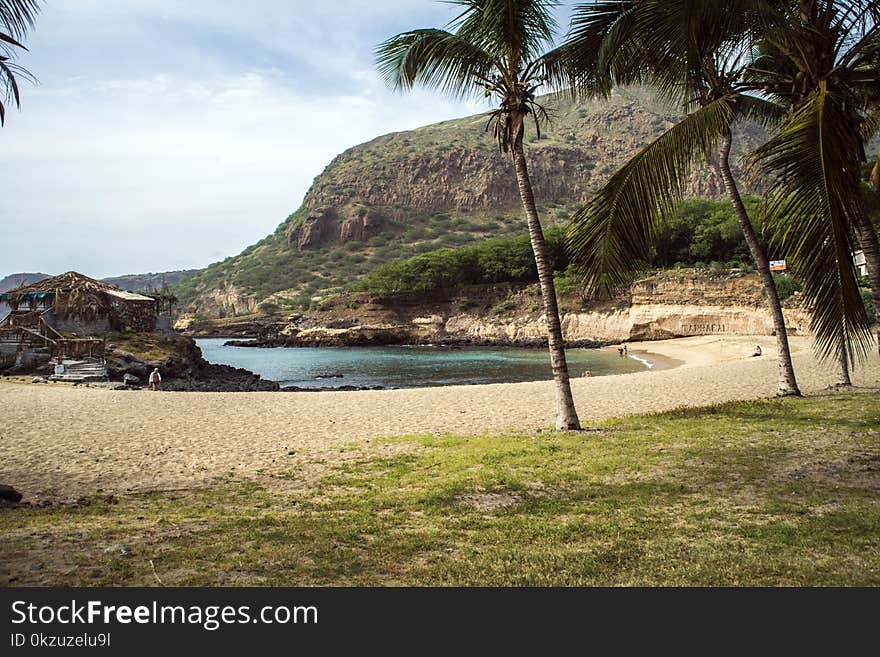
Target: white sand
<point x="63" y="442"/>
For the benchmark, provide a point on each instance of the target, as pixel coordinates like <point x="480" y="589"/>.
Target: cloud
<point x="167" y="135"/>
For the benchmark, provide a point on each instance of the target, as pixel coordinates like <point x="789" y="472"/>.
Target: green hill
<point x="444" y="185"/>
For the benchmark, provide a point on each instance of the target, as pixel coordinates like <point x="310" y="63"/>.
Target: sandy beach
<point x="61" y="442"/>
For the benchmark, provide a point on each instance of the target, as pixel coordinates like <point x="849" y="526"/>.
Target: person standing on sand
<point x="155" y="379"/>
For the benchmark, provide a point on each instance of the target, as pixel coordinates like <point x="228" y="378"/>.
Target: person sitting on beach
<point x="757" y="350"/>
<point x="155" y="379"/>
<point x="587" y="374"/>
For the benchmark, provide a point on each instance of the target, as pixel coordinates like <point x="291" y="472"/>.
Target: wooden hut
<point x="71" y="313"/>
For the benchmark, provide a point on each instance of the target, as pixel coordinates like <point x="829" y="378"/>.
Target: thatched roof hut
<point x="74" y="295"/>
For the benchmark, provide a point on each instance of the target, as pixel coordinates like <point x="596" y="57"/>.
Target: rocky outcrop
<point x="328" y="224"/>
<point x="455" y="166"/>
<point x="225" y="301"/>
<point x="183" y="369"/>
<point x="672" y="304"/>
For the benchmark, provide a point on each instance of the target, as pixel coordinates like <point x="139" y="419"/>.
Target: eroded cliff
<point x="670" y="304"/>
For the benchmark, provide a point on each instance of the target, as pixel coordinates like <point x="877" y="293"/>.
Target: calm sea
<point x="410" y="367"/>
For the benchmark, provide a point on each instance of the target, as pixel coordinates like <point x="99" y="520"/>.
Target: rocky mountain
<point x="130" y="282"/>
<point x="17" y="280"/>
<point x="442" y="185"/>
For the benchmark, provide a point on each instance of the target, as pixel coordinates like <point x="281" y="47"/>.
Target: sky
<point x="170" y="134"/>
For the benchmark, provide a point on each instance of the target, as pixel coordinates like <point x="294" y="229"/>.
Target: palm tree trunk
<point x="787" y="386"/>
<point x="566" y="415"/>
<point x="871" y="248"/>
<point x="843" y="380"/>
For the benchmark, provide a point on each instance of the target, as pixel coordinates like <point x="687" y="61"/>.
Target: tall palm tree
<point x="498" y="49"/>
<point x="692" y="52"/>
<point x="16" y="18"/>
<point x="822" y="59"/>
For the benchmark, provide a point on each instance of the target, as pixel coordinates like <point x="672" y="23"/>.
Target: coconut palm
<point x="822" y="59"/>
<point x="16" y="18"/>
<point x="691" y="51"/>
<point x="496" y="48"/>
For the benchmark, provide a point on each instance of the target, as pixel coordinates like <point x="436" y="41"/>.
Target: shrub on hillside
<point x="499" y="260"/>
<point x="786" y="286"/>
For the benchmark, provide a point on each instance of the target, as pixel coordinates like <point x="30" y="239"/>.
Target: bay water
<point x="411" y="367"/>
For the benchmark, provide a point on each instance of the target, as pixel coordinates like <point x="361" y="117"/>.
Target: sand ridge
<point x="62" y="442"/>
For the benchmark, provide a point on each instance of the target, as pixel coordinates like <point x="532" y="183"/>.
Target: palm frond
<point x="595" y="30"/>
<point x="17" y="16"/>
<point x="813" y="209"/>
<point x="9" y="89"/>
<point x="759" y="110"/>
<point x="684" y="49"/>
<point x="511" y="31"/>
<point x="434" y="58"/>
<point x="610" y="238"/>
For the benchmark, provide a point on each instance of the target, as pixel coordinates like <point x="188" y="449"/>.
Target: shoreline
<point x="62" y="442"/>
<point x="650" y="360"/>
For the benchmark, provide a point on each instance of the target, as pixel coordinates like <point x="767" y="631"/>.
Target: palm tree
<point x="691" y="51"/>
<point x="497" y="49"/>
<point x="821" y="58"/>
<point x="16" y="18"/>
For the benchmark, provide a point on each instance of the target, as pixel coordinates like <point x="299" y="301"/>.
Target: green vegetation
<point x="146" y="346"/>
<point x="504" y="307"/>
<point x="776" y="492"/>
<point x="786" y="286"/>
<point x="272" y="266"/>
<point x="868" y="302"/>
<point x="699" y="230"/>
<point x="703" y="230"/>
<point x="492" y="261"/>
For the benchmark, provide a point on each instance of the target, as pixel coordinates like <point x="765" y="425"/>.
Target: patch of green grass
<point x="777" y="492"/>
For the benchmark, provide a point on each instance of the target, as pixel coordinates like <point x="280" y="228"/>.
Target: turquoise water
<point x="409" y="367"/>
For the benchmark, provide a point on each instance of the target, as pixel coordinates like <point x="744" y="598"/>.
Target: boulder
<point x="9" y="493"/>
<point x="130" y="379"/>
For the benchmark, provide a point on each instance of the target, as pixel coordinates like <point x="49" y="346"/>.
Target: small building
<point x="860" y="263"/>
<point x="70" y="314"/>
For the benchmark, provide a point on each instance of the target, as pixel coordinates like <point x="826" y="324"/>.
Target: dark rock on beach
<point x="331" y="389"/>
<point x="9" y="494"/>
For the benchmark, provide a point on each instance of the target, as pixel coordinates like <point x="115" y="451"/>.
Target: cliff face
<point x="329" y="225"/>
<point x="456" y="166"/>
<point x="224" y="300"/>
<point x="671" y="304"/>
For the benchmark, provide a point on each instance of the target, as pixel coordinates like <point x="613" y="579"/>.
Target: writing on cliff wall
<point x="703" y="329"/>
